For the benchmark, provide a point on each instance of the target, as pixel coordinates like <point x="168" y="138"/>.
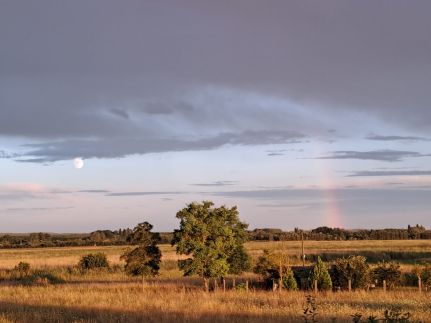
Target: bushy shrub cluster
<point x="93" y="261"/>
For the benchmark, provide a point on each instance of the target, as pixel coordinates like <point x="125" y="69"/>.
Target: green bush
<point x="321" y="275"/>
<point x="289" y="281"/>
<point x="93" y="261"/>
<point x="354" y="268"/>
<point x="388" y="271"/>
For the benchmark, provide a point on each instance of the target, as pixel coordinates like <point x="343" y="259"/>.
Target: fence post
<point x="280" y="286"/>
<point x="384" y="286"/>
<point x="350" y="285"/>
<point x="315" y="286"/>
<point x="246" y="285"/>
<point x="224" y="284"/>
<point x="233" y="283"/>
<point x="274" y="285"/>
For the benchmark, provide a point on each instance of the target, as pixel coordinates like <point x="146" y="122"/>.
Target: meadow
<point x="111" y="296"/>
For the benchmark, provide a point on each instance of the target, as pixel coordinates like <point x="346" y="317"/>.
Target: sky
<point x="301" y="113"/>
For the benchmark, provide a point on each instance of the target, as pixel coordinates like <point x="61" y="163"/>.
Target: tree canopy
<point x="145" y="258"/>
<point x="213" y="238"/>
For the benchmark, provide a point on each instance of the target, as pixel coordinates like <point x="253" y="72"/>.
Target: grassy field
<point x="111" y="296"/>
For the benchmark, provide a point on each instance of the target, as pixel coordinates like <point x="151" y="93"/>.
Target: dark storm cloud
<point x="392" y="173"/>
<point x="395" y="138"/>
<point x="380" y="155"/>
<point x="111" y="71"/>
<point x="114" y="148"/>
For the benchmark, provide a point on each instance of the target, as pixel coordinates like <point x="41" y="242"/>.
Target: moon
<point x="78" y="163"/>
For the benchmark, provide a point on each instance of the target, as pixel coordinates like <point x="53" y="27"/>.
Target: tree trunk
<point x="206" y="286"/>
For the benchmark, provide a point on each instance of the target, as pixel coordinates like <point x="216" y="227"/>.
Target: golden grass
<point x="167" y="301"/>
<point x="69" y="256"/>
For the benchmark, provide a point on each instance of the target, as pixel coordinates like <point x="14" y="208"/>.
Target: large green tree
<point x="145" y="258"/>
<point x="213" y="238"/>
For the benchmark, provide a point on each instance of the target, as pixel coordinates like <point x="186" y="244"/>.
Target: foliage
<point x="93" y="261"/>
<point x="321" y="275"/>
<point x="354" y="268"/>
<point x="239" y="261"/>
<point x="213" y="237"/>
<point x="388" y="271"/>
<point x="289" y="281"/>
<point x="426" y="276"/>
<point x="273" y="266"/>
<point x="145" y="258"/>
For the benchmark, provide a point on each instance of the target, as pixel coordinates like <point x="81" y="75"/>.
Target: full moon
<point x="78" y="163"/>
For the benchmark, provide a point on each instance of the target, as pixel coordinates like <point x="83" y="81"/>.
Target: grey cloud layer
<point x="392" y="173"/>
<point x="395" y="138"/>
<point x="380" y="155"/>
<point x="113" y="148"/>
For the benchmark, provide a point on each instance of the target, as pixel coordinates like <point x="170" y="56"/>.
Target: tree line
<point x="121" y="236"/>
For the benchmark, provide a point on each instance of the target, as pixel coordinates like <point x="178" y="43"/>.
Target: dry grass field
<point x="111" y="296"/>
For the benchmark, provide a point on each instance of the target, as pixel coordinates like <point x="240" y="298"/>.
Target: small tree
<point x="93" y="261"/>
<point x="214" y="238"/>
<point x="321" y="275"/>
<point x="289" y="281"/>
<point x="388" y="271"/>
<point x="354" y="268"/>
<point x="143" y="260"/>
<point x="274" y="266"/>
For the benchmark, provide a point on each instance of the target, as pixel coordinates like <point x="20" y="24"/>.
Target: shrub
<point x="321" y="275"/>
<point x="388" y="271"/>
<point x="289" y="281"/>
<point x="354" y="268"/>
<point x="93" y="261"/>
<point x="23" y="269"/>
<point x="272" y="266"/>
<point x="42" y="277"/>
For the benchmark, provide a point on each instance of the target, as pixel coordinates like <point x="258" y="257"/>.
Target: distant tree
<point x="354" y="268"/>
<point x="388" y="271"/>
<point x="144" y="259"/>
<point x="321" y="275"/>
<point x="213" y="238"/>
